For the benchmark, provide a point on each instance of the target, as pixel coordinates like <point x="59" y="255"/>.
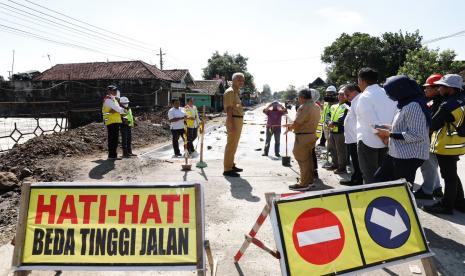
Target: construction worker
<point x="234" y="120"/>
<point x="192" y="122"/>
<point x="336" y="136"/>
<point x="431" y="187"/>
<point x="111" y="112"/>
<point x="448" y="143"/>
<point x="304" y="128"/>
<point x="330" y="101"/>
<point x="126" y="128"/>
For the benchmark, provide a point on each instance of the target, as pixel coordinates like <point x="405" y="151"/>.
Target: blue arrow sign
<point x="387" y="222"/>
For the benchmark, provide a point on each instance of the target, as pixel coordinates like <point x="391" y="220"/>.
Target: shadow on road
<point x="241" y="189"/>
<point x="103" y="167"/>
<point x="450" y="254"/>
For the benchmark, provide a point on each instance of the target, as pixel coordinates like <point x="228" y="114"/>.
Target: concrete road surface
<point x="232" y="205"/>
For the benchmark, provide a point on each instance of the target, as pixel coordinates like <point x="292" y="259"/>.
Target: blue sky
<point x="282" y="39"/>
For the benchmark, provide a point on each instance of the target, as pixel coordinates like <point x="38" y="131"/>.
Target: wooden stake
<point x="429" y="266"/>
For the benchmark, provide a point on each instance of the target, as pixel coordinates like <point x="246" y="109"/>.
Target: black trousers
<point x="191" y="136"/>
<point x="315" y="161"/>
<point x="352" y="153"/>
<point x="395" y="168"/>
<point x="322" y="139"/>
<point x="113" y="136"/>
<point x="176" y="134"/>
<point x="276" y="132"/>
<point x="369" y="160"/>
<point x="453" y="190"/>
<point x="126" y="139"/>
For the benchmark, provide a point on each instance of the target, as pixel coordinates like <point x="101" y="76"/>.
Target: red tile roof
<point x="117" y="70"/>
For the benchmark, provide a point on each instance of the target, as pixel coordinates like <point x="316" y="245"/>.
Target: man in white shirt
<point x="352" y="94"/>
<point x="374" y="107"/>
<point x="176" y="117"/>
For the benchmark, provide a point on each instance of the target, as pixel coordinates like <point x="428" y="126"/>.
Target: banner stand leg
<point x="212" y="263"/>
<point x="429" y="266"/>
<point x="263" y="246"/>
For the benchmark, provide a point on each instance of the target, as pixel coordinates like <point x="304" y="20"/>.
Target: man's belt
<point x="237" y="116"/>
<point x="302" y="133"/>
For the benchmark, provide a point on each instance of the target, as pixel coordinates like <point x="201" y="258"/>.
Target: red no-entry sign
<point x="318" y="236"/>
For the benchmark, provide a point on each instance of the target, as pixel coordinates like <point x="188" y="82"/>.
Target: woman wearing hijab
<point x="408" y="139"/>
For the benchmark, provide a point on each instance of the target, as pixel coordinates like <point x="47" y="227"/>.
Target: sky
<point x="282" y="39"/>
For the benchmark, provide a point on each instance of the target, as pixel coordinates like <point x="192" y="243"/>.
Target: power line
<point x="77" y="20"/>
<point x="55" y="31"/>
<point x="29" y="34"/>
<point x="48" y="33"/>
<point x="74" y="30"/>
<point x="79" y="26"/>
<point x="110" y="41"/>
<point x="443" y="37"/>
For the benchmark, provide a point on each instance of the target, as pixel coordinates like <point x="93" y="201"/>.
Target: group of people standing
<point x="184" y="123"/>
<point x="117" y="117"/>
<point x="390" y="131"/>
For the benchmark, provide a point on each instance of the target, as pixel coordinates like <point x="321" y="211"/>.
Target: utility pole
<point x="161" y="54"/>
<point x="13" y="63"/>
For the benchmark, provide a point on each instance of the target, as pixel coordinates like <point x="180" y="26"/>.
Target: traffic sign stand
<point x="429" y="266"/>
<point x="250" y="238"/>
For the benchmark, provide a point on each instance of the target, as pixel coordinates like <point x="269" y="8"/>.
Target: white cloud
<point x="339" y="16"/>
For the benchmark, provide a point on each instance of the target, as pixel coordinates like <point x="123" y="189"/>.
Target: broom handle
<point x="286" y="137"/>
<point x="203" y="134"/>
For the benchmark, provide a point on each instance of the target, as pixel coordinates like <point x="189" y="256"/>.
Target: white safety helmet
<point x="331" y="88"/>
<point x="124" y="100"/>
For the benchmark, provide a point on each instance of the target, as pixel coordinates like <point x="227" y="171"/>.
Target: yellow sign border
<point x="18" y="264"/>
<point x="277" y="227"/>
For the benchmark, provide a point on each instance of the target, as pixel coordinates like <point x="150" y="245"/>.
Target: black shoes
<point x="419" y="194"/>
<point x="231" y="173"/>
<point x="437" y="193"/>
<point x="297" y="187"/>
<point x="265" y="154"/>
<point x="277" y="155"/>
<point x="438" y="208"/>
<point x="236" y="169"/>
<point x="350" y="182"/>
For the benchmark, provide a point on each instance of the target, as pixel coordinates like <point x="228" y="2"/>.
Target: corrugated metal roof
<point x="115" y="70"/>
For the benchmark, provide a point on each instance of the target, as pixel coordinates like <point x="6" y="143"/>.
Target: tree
<point x="420" y="64"/>
<point x="349" y="53"/>
<point x="290" y="93"/>
<point x="226" y="65"/>
<point x="266" y="92"/>
<point x="395" y="47"/>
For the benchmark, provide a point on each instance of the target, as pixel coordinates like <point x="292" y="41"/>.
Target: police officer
<point x="304" y="128"/>
<point x="234" y="120"/>
<point x="111" y="111"/>
<point x="448" y="143"/>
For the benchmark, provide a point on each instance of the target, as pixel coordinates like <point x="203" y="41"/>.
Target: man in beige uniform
<point x="304" y="126"/>
<point x="235" y="115"/>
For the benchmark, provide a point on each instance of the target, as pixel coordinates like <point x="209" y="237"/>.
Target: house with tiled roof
<point x="84" y="84"/>
<point x="181" y="80"/>
<point x="208" y="93"/>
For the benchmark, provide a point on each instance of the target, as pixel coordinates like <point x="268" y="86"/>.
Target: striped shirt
<point x="410" y="121"/>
